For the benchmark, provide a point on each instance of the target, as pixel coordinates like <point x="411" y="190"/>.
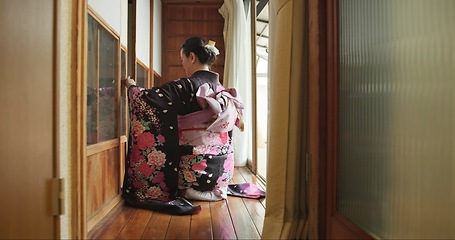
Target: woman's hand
<point x="127" y="82"/>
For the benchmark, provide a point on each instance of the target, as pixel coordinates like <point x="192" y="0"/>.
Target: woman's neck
<point x="200" y="68"/>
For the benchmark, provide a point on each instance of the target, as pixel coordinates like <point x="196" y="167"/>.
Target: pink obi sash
<point x="221" y="111"/>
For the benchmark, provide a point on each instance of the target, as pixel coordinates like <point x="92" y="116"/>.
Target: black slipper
<point x="179" y="206"/>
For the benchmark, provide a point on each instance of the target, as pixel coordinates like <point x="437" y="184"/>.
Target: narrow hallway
<point x="234" y="218"/>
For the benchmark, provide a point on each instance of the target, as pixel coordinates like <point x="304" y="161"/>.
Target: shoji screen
<point x="396" y="117"/>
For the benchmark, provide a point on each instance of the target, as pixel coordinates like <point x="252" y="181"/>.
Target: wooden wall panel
<point x="103" y="176"/>
<point x="184" y="19"/>
<point x="174" y="72"/>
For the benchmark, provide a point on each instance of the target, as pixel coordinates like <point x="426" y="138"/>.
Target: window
<point x="102" y="83"/>
<point x="142" y="75"/>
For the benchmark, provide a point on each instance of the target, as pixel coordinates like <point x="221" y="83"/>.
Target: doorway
<point x="261" y="63"/>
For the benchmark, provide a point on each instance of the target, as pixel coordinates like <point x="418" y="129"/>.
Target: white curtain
<point x="237" y="70"/>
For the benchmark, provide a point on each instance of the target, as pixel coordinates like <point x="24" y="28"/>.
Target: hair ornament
<point x="211" y="47"/>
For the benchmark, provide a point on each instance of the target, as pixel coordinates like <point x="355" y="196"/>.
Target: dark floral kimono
<point x="161" y="159"/>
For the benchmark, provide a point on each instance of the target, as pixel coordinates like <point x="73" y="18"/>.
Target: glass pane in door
<point x="102" y="83"/>
<point x="108" y="83"/>
<point x="396" y="113"/>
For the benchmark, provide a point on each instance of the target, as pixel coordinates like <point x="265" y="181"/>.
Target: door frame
<point x="337" y="226"/>
<point x="317" y="120"/>
<point x="324" y="221"/>
<point x="78" y="170"/>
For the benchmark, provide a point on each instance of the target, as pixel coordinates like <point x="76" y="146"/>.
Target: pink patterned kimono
<point x="205" y="172"/>
<point x="180" y="141"/>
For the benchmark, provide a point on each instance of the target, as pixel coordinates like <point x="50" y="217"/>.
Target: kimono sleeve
<point x="175" y="96"/>
<point x="151" y="167"/>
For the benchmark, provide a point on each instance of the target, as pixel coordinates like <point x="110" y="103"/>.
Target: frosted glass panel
<point x="396" y="116"/>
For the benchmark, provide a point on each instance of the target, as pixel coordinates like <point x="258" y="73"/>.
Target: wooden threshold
<point x="233" y="218"/>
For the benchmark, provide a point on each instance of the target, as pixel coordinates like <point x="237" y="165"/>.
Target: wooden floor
<point x="233" y="218"/>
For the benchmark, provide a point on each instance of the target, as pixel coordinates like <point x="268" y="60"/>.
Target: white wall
<point x="143" y="31"/>
<point x="115" y="14"/>
<point x="64" y="109"/>
<point x="109" y="10"/>
<point x="157" y="36"/>
<point x="124" y="23"/>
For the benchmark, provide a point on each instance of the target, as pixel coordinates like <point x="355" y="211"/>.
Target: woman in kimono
<point x="180" y="143"/>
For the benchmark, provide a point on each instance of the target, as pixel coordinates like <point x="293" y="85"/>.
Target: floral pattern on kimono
<point x="146" y="169"/>
<point x="153" y="160"/>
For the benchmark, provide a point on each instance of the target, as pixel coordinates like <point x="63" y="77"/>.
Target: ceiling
<point x="262" y="28"/>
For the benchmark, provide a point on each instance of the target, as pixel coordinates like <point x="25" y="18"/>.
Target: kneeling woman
<point x="180" y="142"/>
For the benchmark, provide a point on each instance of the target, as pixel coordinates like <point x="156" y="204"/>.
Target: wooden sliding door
<point x="28" y="119"/>
<point x="390" y="109"/>
<point x="105" y="119"/>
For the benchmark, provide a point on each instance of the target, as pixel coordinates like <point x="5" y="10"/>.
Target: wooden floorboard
<point x="256" y="211"/>
<point x="221" y="221"/>
<point x="179" y="227"/>
<point x="201" y="224"/>
<point x="113" y="223"/>
<point x="233" y="218"/>
<point x="136" y="226"/>
<point x="243" y="221"/>
<point x="157" y="226"/>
